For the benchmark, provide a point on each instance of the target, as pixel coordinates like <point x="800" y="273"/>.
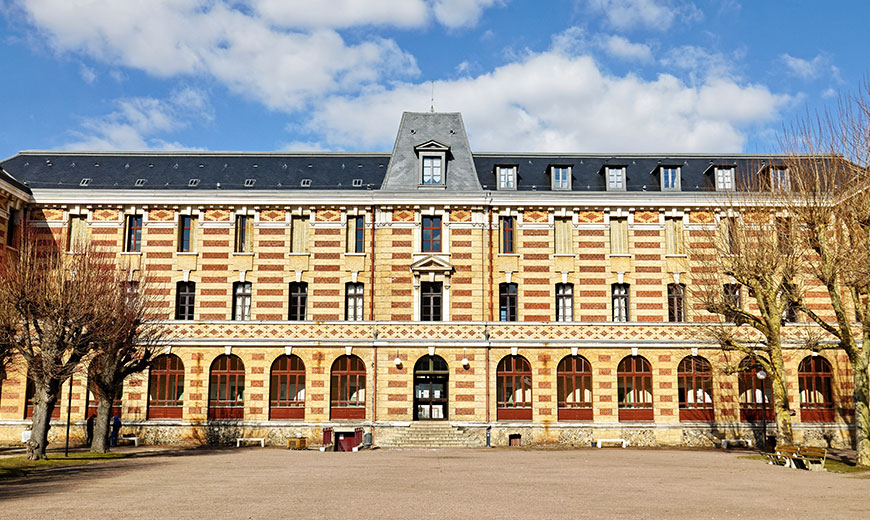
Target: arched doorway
<point x="431" y="375"/>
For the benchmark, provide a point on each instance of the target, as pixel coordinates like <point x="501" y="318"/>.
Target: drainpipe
<point x="375" y="334"/>
<point x="488" y="316"/>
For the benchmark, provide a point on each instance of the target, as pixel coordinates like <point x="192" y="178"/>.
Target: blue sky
<point x="578" y="76"/>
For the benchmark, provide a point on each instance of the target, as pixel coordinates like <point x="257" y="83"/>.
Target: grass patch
<point x="833" y="466"/>
<point x="16" y="467"/>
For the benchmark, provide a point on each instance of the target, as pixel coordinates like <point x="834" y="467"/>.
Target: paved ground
<point x="500" y="483"/>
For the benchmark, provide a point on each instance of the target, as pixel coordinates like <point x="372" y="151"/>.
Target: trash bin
<point x="367" y="439"/>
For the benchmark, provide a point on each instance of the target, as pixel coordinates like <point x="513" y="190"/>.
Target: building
<point x="534" y="298"/>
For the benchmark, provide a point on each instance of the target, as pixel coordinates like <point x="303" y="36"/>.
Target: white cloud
<point x="701" y="63"/>
<point x="88" y="74"/>
<point x="137" y="123"/>
<point x="650" y="14"/>
<point x="810" y="69"/>
<point x="460" y="13"/>
<point x="575" y="41"/>
<point x="620" y="47"/>
<point x="341" y="13"/>
<point x="557" y="102"/>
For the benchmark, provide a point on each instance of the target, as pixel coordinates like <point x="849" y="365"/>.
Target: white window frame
<point x="663" y="173"/>
<point x="506" y="177"/>
<point x="560" y="186"/>
<point x="615" y="173"/>
<point x="441" y="158"/>
<point x="724" y="178"/>
<point x="780" y="178"/>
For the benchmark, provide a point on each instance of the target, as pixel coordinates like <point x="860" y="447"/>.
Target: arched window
<point x="166" y="387"/>
<point x="634" y="382"/>
<point x="287" y="388"/>
<point x="347" y="398"/>
<point x="574" y="375"/>
<point x="815" y="380"/>
<point x="695" y="389"/>
<point x="751" y="390"/>
<point x="514" y="388"/>
<point x="226" y="388"/>
<point x="30" y="391"/>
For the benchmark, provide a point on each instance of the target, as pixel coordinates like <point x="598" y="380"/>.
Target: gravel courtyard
<point x="500" y="483"/>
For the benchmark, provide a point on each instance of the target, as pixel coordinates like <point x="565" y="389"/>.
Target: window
<point x="226" y="388"/>
<point x="305" y="183"/>
<point x="166" y="387"/>
<point x="186" y="226"/>
<point x="507" y="177"/>
<point x="618" y="236"/>
<point x="131" y="291"/>
<point x="724" y="178"/>
<point x="783" y="235"/>
<point x="564" y="302"/>
<point x="140" y="182"/>
<point x="562" y="241"/>
<point x="574" y="389"/>
<point x="733" y="296"/>
<point x="615" y="178"/>
<point x="755" y="394"/>
<point x="815" y="380"/>
<point x="674" y="236"/>
<point x="242" y="300"/>
<point x="12" y="228"/>
<point x="77" y="234"/>
<point x="634" y="389"/>
<point x="430" y="301"/>
<point x="670" y="178"/>
<point x="133" y="234"/>
<point x="250" y="183"/>
<point x="779" y="178"/>
<point x="432" y="174"/>
<point x="676" y="302"/>
<point x="561" y="177"/>
<point x="507" y="302"/>
<point x="356" y="234"/>
<point x="695" y="389"/>
<point x="507" y="234"/>
<point x="789" y="312"/>
<point x="356" y="183"/>
<point x="514" y="389"/>
<point x="731" y="238"/>
<point x="244" y="234"/>
<point x="287" y="388"/>
<point x="347" y="398"/>
<point x="619" y="292"/>
<point x="431" y="235"/>
<point x="299" y="235"/>
<point x="185" y="297"/>
<point x="353" y="302"/>
<point x="298" y="301"/>
<point x="192" y="183"/>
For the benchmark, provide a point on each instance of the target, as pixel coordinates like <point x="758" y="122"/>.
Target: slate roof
<point x="11" y="180"/>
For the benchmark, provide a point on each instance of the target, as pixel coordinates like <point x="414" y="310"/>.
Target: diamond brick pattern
<point x="273" y="215"/>
<point x="536" y="216"/>
<point x="590" y="216"/>
<point x="460" y="216"/>
<point x="161" y="215"/>
<point x="646" y="217"/>
<point x="701" y="217"/>
<point x="328" y="216"/>
<point x="217" y="215"/>
<point x="403" y="215"/>
<point x="106" y="214"/>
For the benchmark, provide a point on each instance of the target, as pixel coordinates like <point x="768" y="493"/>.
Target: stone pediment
<point x="432" y="264"/>
<point x="431" y="146"/>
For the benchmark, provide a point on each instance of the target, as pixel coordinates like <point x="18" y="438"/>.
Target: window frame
<point x="724" y="177"/>
<point x="514" y="378"/>
<point x="286" y="373"/>
<point x="815" y="372"/>
<point x="609" y="178"/>
<point x="508" y="181"/>
<point x="133" y="225"/>
<point x="433" y="244"/>
<point x="185" y="301"/>
<point x="557" y="183"/>
<point x="221" y="381"/>
<point x="695" y="373"/>
<point x="564" y="302"/>
<point x="676" y="303"/>
<point x="507" y="235"/>
<point x="354" y="301"/>
<point x="356" y="234"/>
<point x="242" y="301"/>
<point x="780" y="178"/>
<point x="166" y="376"/>
<point x="750" y="390"/>
<point x="442" y="163"/>
<point x="343" y="402"/>
<point x="634" y="379"/>
<point x="297" y="301"/>
<point x="620" y="292"/>
<point x="431" y="300"/>
<point x="76" y="244"/>
<point x="508" y="301"/>
<point x="572" y="369"/>
<point x="186" y="226"/>
<point x="244" y="228"/>
<point x="664" y="171"/>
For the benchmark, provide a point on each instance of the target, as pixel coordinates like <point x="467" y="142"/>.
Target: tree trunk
<point x="779" y="389"/>
<point x="44" y="401"/>
<point x="860" y="395"/>
<point x="102" y="424"/>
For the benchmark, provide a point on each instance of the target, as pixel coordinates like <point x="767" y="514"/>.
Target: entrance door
<point x="430" y="389"/>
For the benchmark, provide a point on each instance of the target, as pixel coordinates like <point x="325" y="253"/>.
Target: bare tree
<point x="749" y="277"/>
<point x="830" y="198"/>
<point x="50" y="316"/>
<point x="125" y="345"/>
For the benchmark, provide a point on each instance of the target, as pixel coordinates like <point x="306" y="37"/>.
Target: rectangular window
<point x="298" y="301"/>
<point x="670" y="177"/>
<point x="733" y="297"/>
<point x="789" y="312"/>
<point x="244" y="234"/>
<point x="619" y="236"/>
<point x="507" y="234"/>
<point x="355" y="234"/>
<point x="507" y="302"/>
<point x="430" y="301"/>
<point x="779" y="179"/>
<point x="731" y="238"/>
<point x="12" y="228"/>
<point x="724" y="179"/>
<point x="674" y="235"/>
<point x="353" y="302"/>
<point x="615" y="177"/>
<point x="431" y="235"/>
<point x="299" y="235"/>
<point x="185" y="297"/>
<point x="676" y="302"/>
<point x="507" y="177"/>
<point x="561" y="177"/>
<point x="620" y="302"/>
<point x="77" y="234"/>
<point x="133" y="234"/>
<point x="563" y="241"/>
<point x="564" y="302"/>
<point x="432" y="173"/>
<point x="186" y="227"/>
<point x="783" y="235"/>
<point x="242" y="300"/>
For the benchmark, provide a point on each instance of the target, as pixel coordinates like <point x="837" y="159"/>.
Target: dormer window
<point x="561" y="177"/>
<point x="779" y="178"/>
<point x="432" y="170"/>
<point x="507" y="177"/>
<point x="615" y="178"/>
<point x="433" y="163"/>
<point x="670" y="176"/>
<point x="724" y="178"/>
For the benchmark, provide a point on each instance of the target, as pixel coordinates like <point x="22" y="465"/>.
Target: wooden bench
<point x="813" y="458"/>
<point x="600" y="442"/>
<point x="783" y="456"/>
<point x="806" y="457"/>
<point x="131" y="438"/>
<point x="261" y="440"/>
<point x="745" y="442"/>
